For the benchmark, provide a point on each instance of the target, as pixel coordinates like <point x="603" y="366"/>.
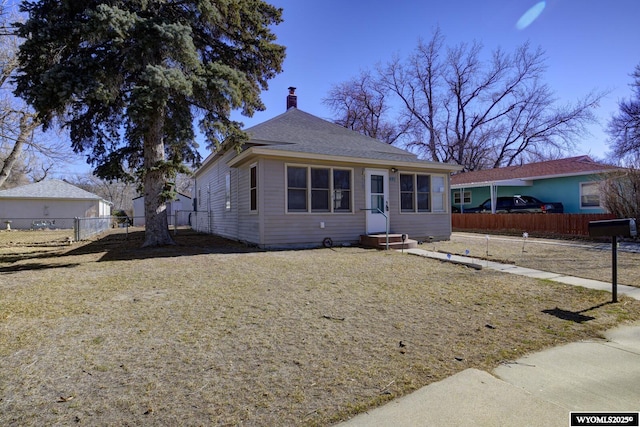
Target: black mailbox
<point x="613" y="227"/>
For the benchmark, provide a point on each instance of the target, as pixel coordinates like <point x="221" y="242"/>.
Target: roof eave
<point x="54" y="197"/>
<point x="257" y="151"/>
<point x="568" y="174"/>
<point x="223" y="150"/>
<point x="510" y="182"/>
<point x="504" y="182"/>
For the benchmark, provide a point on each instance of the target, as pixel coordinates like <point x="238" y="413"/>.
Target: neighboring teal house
<point x="573" y="181"/>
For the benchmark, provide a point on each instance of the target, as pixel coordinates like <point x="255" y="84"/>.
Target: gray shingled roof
<point x="50" y="189"/>
<point x="298" y="131"/>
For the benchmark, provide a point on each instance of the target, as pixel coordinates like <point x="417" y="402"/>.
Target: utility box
<point x="613" y="227"/>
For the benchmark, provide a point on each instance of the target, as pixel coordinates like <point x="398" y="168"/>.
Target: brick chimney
<point x="292" y="98"/>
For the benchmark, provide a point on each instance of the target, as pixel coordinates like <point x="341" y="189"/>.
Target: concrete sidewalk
<point x="540" y="389"/>
<point x="537" y="390"/>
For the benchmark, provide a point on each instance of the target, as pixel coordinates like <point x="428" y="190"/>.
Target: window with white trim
<point x="296" y="189"/>
<point x="437" y="193"/>
<point x="466" y="197"/>
<point x="253" y="188"/>
<point x="318" y="189"/>
<point x="341" y="190"/>
<point x="422" y="193"/>
<point x="415" y="192"/>
<point x="227" y="191"/>
<point x="589" y="195"/>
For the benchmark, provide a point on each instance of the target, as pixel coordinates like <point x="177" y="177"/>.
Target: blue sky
<point x="589" y="44"/>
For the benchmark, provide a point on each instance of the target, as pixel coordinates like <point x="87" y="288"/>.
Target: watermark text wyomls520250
<point x="579" y="419"/>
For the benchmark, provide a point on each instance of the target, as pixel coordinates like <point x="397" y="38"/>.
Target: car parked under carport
<point x="517" y="204"/>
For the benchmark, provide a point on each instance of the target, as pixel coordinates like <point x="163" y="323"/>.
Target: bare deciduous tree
<point x="624" y="127"/>
<point x="16" y="124"/>
<point x="458" y="107"/>
<point x="483" y="114"/>
<point x="621" y="192"/>
<point x="118" y="192"/>
<point x="361" y="104"/>
<point x="23" y="157"/>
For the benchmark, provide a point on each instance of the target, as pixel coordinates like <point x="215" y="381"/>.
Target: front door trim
<point x="376" y="197"/>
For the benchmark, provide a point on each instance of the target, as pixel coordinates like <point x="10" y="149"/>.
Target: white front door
<point x="377" y="195"/>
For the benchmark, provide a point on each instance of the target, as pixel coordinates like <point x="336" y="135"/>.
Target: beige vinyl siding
<point x="248" y="220"/>
<point x="419" y="226"/>
<point x="281" y="228"/>
<point x="272" y="226"/>
<point x="213" y="217"/>
<point x="303" y="228"/>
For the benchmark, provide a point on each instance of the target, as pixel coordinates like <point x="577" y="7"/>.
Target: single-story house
<point x="178" y="210"/>
<point x="573" y="181"/>
<point x="49" y="204"/>
<point x="301" y="181"/>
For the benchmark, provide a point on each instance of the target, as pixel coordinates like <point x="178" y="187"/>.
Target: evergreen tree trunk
<point x="155" y="208"/>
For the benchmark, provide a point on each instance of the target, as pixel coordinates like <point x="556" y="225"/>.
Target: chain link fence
<point x="201" y="221"/>
<point x="178" y="218"/>
<point x="43" y="230"/>
<point x="84" y="228"/>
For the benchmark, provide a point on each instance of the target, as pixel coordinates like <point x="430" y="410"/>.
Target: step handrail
<point x="386" y="222"/>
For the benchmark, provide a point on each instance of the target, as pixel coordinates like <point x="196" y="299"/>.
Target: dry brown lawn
<point x="580" y="258"/>
<point x="210" y="332"/>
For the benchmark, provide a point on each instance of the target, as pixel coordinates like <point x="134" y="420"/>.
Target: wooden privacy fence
<point x="562" y="224"/>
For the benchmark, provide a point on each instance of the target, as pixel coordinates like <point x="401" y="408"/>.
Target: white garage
<point x="53" y="203"/>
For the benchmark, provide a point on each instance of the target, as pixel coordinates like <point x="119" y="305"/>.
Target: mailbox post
<point x="613" y="228"/>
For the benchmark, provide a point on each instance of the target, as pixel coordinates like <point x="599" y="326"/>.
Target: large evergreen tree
<point x="128" y="78"/>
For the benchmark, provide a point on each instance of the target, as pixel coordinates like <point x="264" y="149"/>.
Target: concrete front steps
<point x="379" y="241"/>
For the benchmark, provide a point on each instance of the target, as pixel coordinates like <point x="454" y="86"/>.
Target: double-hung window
<point x="422" y="193"/>
<point x="589" y="195"/>
<point x="341" y="190"/>
<point x="415" y="193"/>
<point x="407" y="196"/>
<point x="318" y="189"/>
<point x="297" y="189"/>
<point x="465" y="198"/>
<point x="437" y="193"/>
